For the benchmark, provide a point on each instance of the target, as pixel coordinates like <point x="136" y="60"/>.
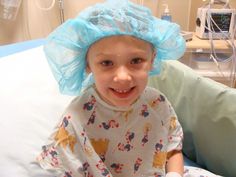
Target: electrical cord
<point x="61" y="8"/>
<point x="43" y="8"/>
<point x="141" y="2"/>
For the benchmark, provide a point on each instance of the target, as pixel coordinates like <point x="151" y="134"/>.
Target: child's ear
<point x="152" y="59"/>
<point x="154" y="54"/>
<point x="88" y="70"/>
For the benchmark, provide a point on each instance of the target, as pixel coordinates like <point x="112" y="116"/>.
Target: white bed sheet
<point x="30" y="105"/>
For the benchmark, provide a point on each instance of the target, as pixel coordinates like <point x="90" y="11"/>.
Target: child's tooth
<point x="122" y="91"/>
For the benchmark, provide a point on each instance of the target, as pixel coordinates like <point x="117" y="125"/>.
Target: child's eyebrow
<point x="104" y="54"/>
<point x="136" y="51"/>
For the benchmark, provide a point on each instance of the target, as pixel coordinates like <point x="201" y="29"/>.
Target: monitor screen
<point x="222" y="20"/>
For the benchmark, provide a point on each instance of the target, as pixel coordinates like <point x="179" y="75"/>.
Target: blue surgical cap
<point x="67" y="46"/>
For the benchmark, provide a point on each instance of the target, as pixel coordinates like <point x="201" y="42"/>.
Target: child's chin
<point x="125" y="103"/>
<point x="122" y="105"/>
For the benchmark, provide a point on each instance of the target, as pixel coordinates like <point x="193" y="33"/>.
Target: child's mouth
<point x="122" y="93"/>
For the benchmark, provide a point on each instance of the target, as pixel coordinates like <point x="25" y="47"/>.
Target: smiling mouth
<point x="122" y="92"/>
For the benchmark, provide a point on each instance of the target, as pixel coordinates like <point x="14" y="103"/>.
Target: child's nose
<point x="122" y="75"/>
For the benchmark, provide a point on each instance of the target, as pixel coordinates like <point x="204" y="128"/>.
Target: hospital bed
<point x="30" y="105"/>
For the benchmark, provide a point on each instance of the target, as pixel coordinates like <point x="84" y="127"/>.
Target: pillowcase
<point x="30" y="105"/>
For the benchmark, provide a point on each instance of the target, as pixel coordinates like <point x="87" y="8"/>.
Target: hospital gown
<point x="95" y="139"/>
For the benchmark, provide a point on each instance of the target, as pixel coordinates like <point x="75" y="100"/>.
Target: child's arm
<point x="175" y="164"/>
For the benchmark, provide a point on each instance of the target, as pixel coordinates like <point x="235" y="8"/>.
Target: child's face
<point x="120" y="65"/>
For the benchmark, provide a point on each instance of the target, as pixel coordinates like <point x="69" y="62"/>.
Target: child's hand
<point x="173" y="174"/>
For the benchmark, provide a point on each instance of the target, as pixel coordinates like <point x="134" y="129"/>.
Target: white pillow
<point x="30" y="106"/>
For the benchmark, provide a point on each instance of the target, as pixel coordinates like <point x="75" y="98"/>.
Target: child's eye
<point x="136" y="60"/>
<point x="106" y="63"/>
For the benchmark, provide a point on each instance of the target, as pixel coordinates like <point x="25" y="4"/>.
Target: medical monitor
<point x="219" y="22"/>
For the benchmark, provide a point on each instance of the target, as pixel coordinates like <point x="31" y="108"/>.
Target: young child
<point x="116" y="126"/>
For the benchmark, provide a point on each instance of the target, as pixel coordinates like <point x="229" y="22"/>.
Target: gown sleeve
<point x="62" y="151"/>
<point x="175" y="132"/>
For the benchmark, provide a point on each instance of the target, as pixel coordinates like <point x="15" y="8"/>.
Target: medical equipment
<point x="61" y="8"/>
<point x="9" y="9"/>
<point x="222" y="22"/>
<point x="219" y="22"/>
